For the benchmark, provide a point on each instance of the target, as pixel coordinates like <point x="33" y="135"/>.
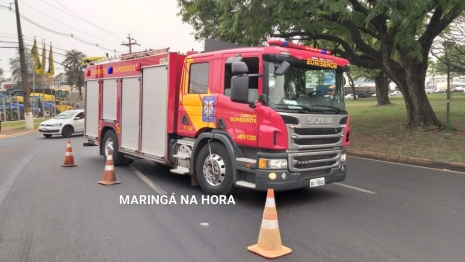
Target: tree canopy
<point x="15" y="67"/>
<point x="395" y="36"/>
<point x="456" y="34"/>
<point x="72" y="64"/>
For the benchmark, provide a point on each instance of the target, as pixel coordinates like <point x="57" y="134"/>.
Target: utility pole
<point x="27" y="106"/>
<point x="130" y="43"/>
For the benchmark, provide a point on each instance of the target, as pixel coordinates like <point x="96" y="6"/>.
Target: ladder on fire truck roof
<point x="104" y="60"/>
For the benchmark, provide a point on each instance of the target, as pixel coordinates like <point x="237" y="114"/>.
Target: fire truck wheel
<point x="214" y="170"/>
<point x="127" y="161"/>
<point x="111" y="143"/>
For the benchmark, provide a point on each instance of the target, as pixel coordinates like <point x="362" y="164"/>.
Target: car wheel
<point x="67" y="131"/>
<point x="110" y="142"/>
<point x="214" y="170"/>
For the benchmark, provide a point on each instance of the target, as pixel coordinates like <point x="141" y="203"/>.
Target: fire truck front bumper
<point x="284" y="180"/>
<point x="308" y="169"/>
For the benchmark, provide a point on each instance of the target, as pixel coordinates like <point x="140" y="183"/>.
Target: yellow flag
<point x="44" y="60"/>
<point x="36" y="59"/>
<point x="51" y="65"/>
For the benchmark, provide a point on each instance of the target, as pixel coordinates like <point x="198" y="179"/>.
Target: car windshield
<point x="65" y="115"/>
<point x="303" y="87"/>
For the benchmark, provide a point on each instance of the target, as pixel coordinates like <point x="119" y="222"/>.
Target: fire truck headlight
<point x="265" y="163"/>
<point x="343" y="157"/>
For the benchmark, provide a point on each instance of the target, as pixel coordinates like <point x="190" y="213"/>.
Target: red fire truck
<point x="252" y="117"/>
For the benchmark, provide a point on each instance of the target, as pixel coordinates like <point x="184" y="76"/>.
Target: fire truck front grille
<point x="317" y="131"/>
<point x="316" y="141"/>
<point x="307" y="138"/>
<point x="313" y="161"/>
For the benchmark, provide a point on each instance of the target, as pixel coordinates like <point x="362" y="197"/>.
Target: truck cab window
<point x="198" y="79"/>
<point x="253" y="65"/>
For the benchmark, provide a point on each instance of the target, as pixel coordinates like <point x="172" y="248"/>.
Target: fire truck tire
<point x="111" y="142"/>
<point x="127" y="161"/>
<point x="214" y="170"/>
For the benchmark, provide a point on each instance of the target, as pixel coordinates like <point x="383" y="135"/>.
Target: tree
<point x="455" y="33"/>
<point x="1" y="73"/>
<point x="15" y="67"/>
<point x="72" y="64"/>
<point x="404" y="31"/>
<point x="381" y="81"/>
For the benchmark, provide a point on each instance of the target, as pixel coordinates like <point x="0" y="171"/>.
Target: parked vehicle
<point x="350" y="96"/>
<point x="396" y="93"/>
<point x="64" y="124"/>
<point x="223" y="116"/>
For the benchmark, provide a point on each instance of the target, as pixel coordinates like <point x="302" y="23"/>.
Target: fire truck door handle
<point x="184" y="120"/>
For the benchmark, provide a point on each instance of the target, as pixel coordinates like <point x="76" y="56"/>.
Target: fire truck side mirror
<point x="282" y="68"/>
<point x="239" y="68"/>
<point x="240" y="89"/>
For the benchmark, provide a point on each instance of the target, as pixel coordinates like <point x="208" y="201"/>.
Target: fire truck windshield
<point x="304" y="87"/>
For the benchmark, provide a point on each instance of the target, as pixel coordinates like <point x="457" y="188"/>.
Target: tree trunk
<point x="382" y="89"/>
<point x="352" y="85"/>
<point x="419" y="110"/>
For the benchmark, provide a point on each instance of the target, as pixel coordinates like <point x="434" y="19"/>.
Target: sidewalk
<point x="14" y="131"/>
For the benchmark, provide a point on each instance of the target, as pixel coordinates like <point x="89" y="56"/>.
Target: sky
<point x="152" y="23"/>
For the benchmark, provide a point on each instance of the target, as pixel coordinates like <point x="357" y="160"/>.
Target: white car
<point x="65" y="124"/>
<point x="396" y="93"/>
<point x="350" y="96"/>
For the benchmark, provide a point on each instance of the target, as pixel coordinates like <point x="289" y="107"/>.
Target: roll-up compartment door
<point x="92" y="108"/>
<point x="154" y="106"/>
<point x="110" y="96"/>
<point x="130" y="95"/>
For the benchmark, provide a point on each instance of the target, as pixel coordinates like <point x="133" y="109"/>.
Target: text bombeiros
<point x="171" y="200"/>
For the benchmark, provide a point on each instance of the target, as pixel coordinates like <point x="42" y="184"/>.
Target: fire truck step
<point x="245" y="184"/>
<point x="180" y="170"/>
<point x="182" y="156"/>
<point x="246" y="160"/>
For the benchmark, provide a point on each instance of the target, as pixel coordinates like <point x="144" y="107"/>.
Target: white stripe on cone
<point x="110" y="157"/>
<point x="109" y="168"/>
<point x="68" y="145"/>
<point x="270" y="224"/>
<point x="270" y="202"/>
<point x="68" y="154"/>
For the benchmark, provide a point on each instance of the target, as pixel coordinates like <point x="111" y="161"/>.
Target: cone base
<point x="269" y="254"/>
<point x="105" y="183"/>
<point x="68" y="165"/>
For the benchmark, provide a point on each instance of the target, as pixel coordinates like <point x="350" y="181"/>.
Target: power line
<point x="84" y="20"/>
<point x="66" y="24"/>
<point x="64" y="34"/>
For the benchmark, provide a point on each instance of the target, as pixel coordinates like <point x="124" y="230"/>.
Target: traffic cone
<point x="109" y="177"/>
<point x="269" y="240"/>
<point x="69" y="158"/>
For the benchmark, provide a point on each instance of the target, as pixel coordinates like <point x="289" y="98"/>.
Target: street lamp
<point x="448" y="45"/>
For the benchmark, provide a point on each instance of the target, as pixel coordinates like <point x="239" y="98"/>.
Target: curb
<point x="18" y="134"/>
<point x="459" y="167"/>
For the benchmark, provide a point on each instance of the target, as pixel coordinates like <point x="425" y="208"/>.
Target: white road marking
<point x="149" y="182"/>
<point x="356" y="188"/>
<point x="394" y="163"/>
<point x="204" y="224"/>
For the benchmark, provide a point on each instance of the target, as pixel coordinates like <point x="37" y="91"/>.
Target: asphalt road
<point x="382" y="212"/>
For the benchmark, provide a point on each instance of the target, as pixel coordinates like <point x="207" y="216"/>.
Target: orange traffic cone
<point x="109" y="177"/>
<point x="269" y="239"/>
<point x="69" y="158"/>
